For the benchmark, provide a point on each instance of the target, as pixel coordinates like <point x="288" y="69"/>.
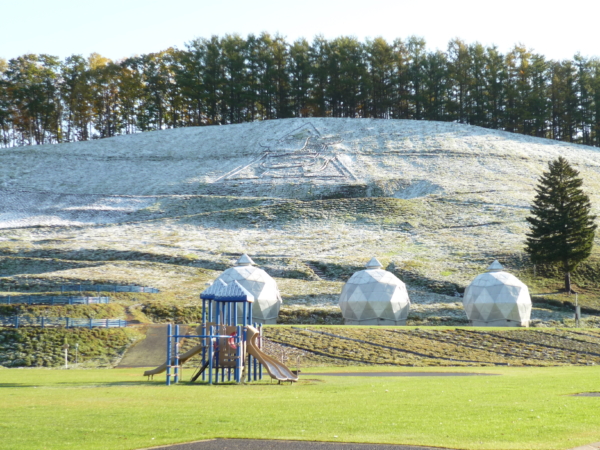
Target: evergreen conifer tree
<point x="562" y="226"/>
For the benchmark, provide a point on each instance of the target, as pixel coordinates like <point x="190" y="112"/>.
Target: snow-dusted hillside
<point x="105" y="181"/>
<point x="171" y="209"/>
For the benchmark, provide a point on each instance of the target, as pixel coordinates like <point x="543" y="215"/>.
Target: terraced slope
<point x="437" y="347"/>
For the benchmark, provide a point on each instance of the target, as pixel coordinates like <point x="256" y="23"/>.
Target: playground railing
<point x="67" y="322"/>
<point x="51" y="300"/>
<point x="98" y="288"/>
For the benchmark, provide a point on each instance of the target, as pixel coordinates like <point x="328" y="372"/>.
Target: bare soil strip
<point x="247" y="444"/>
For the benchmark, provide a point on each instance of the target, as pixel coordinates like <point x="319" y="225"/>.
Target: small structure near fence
<point x="51" y="300"/>
<point x="67" y="322"/>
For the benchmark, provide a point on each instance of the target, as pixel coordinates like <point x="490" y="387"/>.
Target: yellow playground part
<point x="276" y="369"/>
<point x="182" y="359"/>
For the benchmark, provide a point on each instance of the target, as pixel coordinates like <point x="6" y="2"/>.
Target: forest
<point x="232" y="79"/>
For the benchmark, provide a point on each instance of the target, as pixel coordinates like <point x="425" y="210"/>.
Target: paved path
<point x="594" y="446"/>
<point x="148" y="352"/>
<point x="248" y="444"/>
<point x="401" y="374"/>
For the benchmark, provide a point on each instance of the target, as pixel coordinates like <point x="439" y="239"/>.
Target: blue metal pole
<point x="169" y="335"/>
<point x="176" y="353"/>
<point x="210" y="356"/>
<point x="204" y="339"/>
<point x="238" y="354"/>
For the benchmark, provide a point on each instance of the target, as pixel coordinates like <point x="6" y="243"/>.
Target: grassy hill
<point x="311" y="200"/>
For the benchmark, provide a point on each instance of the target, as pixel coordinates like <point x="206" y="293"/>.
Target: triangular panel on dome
<point x="368" y="312"/>
<point x="357" y="307"/>
<point x="495" y="313"/>
<point x="514" y="314"/>
<point x="388" y="312"/>
<point x="506" y="308"/>
<point x="484" y="309"/>
<point x="495" y="291"/>
<point x="495" y="267"/>
<point x="474" y="313"/>
<point x="379" y="307"/>
<point x="374" y="264"/>
<point x="244" y="260"/>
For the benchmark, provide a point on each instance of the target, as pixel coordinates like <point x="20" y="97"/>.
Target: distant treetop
<point x="231" y="79"/>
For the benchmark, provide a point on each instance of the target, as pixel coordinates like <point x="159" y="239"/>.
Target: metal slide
<point x="182" y="359"/>
<point x="276" y="369"/>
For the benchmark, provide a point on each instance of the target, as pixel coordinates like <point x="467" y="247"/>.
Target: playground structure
<point x="229" y="344"/>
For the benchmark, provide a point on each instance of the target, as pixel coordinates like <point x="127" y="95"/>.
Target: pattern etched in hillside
<point x="302" y="153"/>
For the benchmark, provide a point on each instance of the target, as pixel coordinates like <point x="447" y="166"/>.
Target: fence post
<point x="16" y="321"/>
<point x="90" y="324"/>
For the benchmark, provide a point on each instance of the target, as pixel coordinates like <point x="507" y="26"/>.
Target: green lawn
<point x="114" y="409"/>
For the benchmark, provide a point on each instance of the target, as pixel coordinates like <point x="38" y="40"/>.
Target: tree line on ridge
<point x="231" y="79"/>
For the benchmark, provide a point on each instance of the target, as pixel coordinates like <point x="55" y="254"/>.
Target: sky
<point x="121" y="28"/>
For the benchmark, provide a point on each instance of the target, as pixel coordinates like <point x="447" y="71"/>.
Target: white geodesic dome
<point x="374" y="297"/>
<point x="259" y="283"/>
<point x="497" y="298"/>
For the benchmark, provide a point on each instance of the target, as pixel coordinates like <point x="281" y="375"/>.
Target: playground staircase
<point x="150" y="351"/>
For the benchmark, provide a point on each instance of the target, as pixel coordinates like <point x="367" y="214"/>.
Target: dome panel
<point x="368" y="312"/>
<point x="495" y="313"/>
<point x="474" y="314"/>
<point x="484" y="309"/>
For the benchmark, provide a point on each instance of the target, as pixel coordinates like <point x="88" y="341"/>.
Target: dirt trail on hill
<point x="151" y="351"/>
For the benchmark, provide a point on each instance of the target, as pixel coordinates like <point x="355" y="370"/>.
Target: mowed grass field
<point x="520" y="408"/>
